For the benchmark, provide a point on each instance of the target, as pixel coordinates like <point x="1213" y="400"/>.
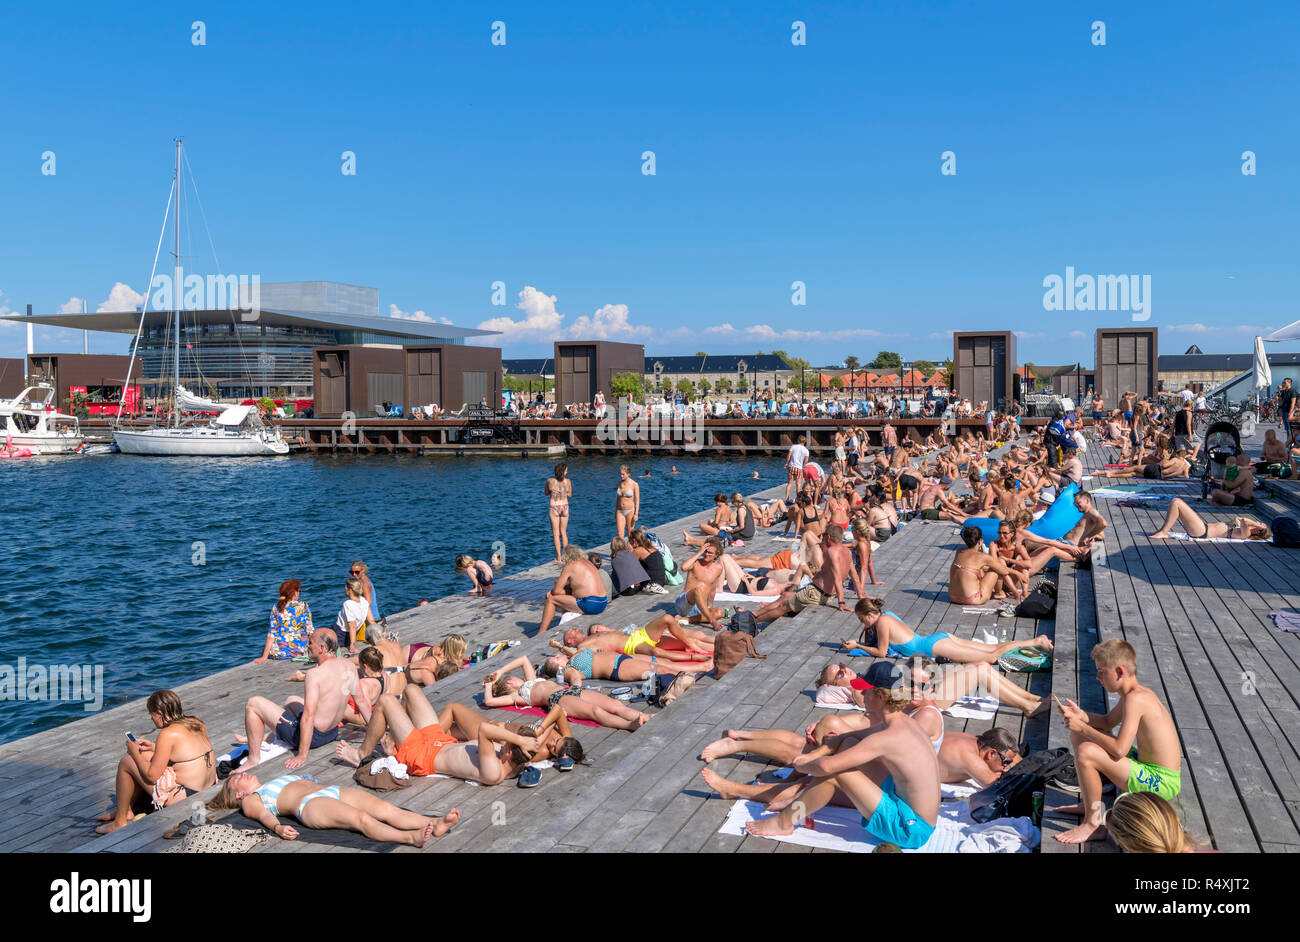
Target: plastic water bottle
<point x="650" y="687"/>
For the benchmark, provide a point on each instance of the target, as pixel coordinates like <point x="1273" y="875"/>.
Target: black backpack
<point x="1037" y="604"/>
<point x="744" y="621"/>
<point x="1286" y="532"/>
<point x="1011" y="796"/>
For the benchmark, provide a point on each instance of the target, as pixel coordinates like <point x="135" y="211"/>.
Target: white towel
<point x="391" y="764"/>
<point x="841" y="829"/>
<point x="568" y="617"/>
<point x="974" y="708"/>
<point x="1206" y="539"/>
<point x="736" y="597"/>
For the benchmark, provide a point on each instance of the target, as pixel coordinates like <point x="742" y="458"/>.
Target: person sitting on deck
<point x="975" y="575"/>
<point x="424" y="663"/>
<point x="290" y="625"/>
<point x="884" y="634"/>
<point x="889" y="772"/>
<point x="479" y="572"/>
<point x="1145" y="728"/>
<point x="703" y="573"/>
<point x="425" y="747"/>
<point x="157" y="774"/>
<point x="826" y="587"/>
<point x="1241" y="528"/>
<point x="664" y="637"/>
<point x="723" y="519"/>
<point x="579" y="587"/>
<point x="354" y="615"/>
<point x="1238" y="488"/>
<point x="580" y="703"/>
<point x="320" y="709"/>
<point x="1077" y="543"/>
<point x="319" y="806"/>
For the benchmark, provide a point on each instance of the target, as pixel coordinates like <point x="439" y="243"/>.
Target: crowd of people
<point x="888" y="760"/>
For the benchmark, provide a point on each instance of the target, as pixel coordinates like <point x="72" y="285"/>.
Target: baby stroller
<point x="1222" y="444"/>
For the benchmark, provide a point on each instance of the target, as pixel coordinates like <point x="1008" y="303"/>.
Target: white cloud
<point x="1076" y="335"/>
<point x="395" y="311"/>
<point x="71" y="306"/>
<point x="608" y="321"/>
<point x="541" y="321"/>
<point x="121" y="298"/>
<point x="940" y="335"/>
<point x="1214" y="329"/>
<point x="5" y="311"/>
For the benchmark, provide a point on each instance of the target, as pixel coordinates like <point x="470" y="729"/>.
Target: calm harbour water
<point x="100" y="550"/>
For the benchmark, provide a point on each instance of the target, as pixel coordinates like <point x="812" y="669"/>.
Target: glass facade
<point x="243" y="360"/>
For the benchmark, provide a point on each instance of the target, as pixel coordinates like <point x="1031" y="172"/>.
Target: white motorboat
<point x="237" y="431"/>
<point x="30" y="421"/>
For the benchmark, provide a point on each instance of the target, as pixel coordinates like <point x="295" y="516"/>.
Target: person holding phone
<point x="156" y="774"/>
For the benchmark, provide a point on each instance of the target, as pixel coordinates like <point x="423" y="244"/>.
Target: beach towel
<point x="538" y="711"/>
<point x="737" y="597"/>
<point x="1206" y="539"/>
<point x="1287" y="621"/>
<point x="841" y="829"/>
<point x="974" y="708"/>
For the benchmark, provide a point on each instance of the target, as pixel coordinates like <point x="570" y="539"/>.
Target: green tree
<point x="724" y="385"/>
<point x="887" y="360"/>
<point x="705" y="386"/>
<point x="685" y="387"/>
<point x="852" y="363"/>
<point x="796" y="363"/>
<point x="925" y="367"/>
<point x="947" y="368"/>
<point x="742" y="385"/>
<point x="700" y="353"/>
<point x="628" y="384"/>
<point x="837" y="382"/>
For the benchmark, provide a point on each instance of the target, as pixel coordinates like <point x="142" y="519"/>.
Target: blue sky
<point x="774" y="163"/>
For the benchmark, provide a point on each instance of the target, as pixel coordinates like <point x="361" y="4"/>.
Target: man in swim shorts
<point x="703" y="572"/>
<point x="662" y="638"/>
<point x="579" y="587"/>
<point x="326" y="689"/>
<point x="889" y="771"/>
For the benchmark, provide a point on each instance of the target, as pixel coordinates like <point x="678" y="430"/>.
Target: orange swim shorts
<point x="419" y="750"/>
<point x="782" y="560"/>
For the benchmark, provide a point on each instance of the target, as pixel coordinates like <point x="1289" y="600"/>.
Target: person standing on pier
<point x="627" y="502"/>
<point x="559" y="489"/>
<point x="794" y="463"/>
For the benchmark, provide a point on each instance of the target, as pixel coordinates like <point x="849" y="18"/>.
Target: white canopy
<point x="235" y="415"/>
<point x="1263" y="373"/>
<point x="1289" y="332"/>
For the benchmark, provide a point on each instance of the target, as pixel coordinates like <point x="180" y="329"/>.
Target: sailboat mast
<point x="178" y="281"/>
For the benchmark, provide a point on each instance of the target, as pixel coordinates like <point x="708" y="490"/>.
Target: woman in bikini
<point x="156" y="774"/>
<point x="838" y="508"/>
<point x="974" y="575"/>
<point x="884" y="634"/>
<point x="574" y="665"/>
<point x="319" y="807"/>
<point x="627" y="502"/>
<point x="559" y="489"/>
<point x="1241" y="528"/>
<point x="723" y="519"/>
<point x="505" y="690"/>
<point x="421" y="660"/>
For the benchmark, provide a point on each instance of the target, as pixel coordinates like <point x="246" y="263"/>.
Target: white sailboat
<point x="237" y="431"/>
<point x="28" y="421"/>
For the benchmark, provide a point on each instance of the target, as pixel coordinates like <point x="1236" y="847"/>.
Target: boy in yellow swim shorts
<point x="1144" y="725"/>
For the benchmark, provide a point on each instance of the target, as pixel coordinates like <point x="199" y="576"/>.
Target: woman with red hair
<point x="290" y="625"/>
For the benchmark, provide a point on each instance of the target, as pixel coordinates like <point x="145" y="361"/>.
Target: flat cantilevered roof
<point x="127" y="322"/>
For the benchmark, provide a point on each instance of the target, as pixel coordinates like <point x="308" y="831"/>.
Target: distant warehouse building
<point x="269" y="352"/>
<point x="766" y="373"/>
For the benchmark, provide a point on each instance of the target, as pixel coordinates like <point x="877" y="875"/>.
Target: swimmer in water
<point x="674" y="470"/>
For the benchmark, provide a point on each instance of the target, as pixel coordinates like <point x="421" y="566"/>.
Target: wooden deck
<point x="1198" y="615"/>
<point x="1196" y="612"/>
